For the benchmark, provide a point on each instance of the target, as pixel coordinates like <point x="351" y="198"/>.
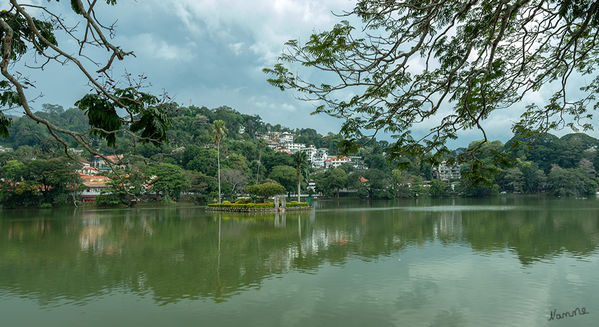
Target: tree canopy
<point x="266" y="190"/>
<point x="169" y="180"/>
<point x="447" y="66"/>
<point x="40" y="182"/>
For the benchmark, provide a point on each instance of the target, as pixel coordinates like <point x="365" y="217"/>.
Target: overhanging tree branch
<point x="477" y="57"/>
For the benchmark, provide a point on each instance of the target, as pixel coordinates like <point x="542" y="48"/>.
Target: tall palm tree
<point x="300" y="159"/>
<point x="219" y="132"/>
<point x="261" y="145"/>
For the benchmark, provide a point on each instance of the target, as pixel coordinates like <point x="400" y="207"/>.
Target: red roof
<point x="337" y="157"/>
<point x="83" y="176"/>
<point x="114" y="158"/>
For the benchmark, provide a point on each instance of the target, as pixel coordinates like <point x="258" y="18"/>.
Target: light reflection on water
<point x="424" y="263"/>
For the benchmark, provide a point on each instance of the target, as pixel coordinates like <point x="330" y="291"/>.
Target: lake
<point x="508" y="261"/>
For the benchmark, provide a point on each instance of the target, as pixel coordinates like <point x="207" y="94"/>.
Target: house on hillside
<point x="92" y="187"/>
<point x="319" y="158"/>
<point x="446" y="173"/>
<point x="310" y="152"/>
<point x="87" y="168"/>
<point x="99" y="162"/>
<point x="294" y="147"/>
<point x="91" y="171"/>
<point x="285" y="138"/>
<point x="336" y="161"/>
<point x="3" y="149"/>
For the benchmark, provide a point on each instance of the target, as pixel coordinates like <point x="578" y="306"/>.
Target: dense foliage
<point x="446" y="66"/>
<point x="38" y="182"/>
<point x="187" y="167"/>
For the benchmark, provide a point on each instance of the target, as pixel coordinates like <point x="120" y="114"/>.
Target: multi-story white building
<point x="336" y="161"/>
<point x="294" y="147"/>
<point x="316" y="157"/>
<point x="319" y="158"/>
<point x="310" y="152"/>
<point x="446" y="173"/>
<point x="285" y="137"/>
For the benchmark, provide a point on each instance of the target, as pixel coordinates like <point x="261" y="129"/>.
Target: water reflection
<point x="186" y="253"/>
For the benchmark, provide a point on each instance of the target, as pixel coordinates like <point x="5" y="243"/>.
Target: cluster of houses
<point x="318" y="157"/>
<point x="93" y="183"/>
<point x="280" y="141"/>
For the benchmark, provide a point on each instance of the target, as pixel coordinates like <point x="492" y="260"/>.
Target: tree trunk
<point x="218" y="163"/>
<point x="258" y="173"/>
<point x="298" y="185"/>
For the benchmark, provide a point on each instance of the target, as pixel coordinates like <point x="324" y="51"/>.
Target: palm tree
<point x="300" y="159"/>
<point x="219" y="131"/>
<point x="261" y="144"/>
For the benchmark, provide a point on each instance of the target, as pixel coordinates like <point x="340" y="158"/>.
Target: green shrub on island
<point x="250" y="205"/>
<point x="264" y="205"/>
<point x="292" y="204"/>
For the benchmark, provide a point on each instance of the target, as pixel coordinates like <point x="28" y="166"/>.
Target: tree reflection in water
<point x="186" y="253"/>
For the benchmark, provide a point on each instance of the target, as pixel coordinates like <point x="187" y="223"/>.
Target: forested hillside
<point x="563" y="166"/>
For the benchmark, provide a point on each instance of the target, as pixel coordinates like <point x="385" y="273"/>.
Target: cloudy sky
<point x="212" y="52"/>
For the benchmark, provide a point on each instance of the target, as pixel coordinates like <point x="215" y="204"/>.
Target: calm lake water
<point x="498" y="262"/>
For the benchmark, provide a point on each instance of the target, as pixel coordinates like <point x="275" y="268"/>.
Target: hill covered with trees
<point x="563" y="166"/>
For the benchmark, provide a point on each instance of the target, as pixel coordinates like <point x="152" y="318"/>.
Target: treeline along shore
<point x="36" y="171"/>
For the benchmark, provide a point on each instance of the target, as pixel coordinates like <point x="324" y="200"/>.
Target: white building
<point x="310" y="152"/>
<point x="446" y="173"/>
<point x="3" y="149"/>
<point x="87" y="169"/>
<point x="336" y="161"/>
<point x="294" y="147"/>
<point x="316" y="157"/>
<point x="319" y="158"/>
<point x="285" y="138"/>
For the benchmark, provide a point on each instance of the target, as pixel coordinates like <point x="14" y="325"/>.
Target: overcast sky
<point x="212" y="52"/>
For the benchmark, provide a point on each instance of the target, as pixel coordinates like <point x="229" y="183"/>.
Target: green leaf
<point x="4" y="124"/>
<point x="102" y="114"/>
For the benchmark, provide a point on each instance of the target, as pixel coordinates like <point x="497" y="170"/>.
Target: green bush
<point x="227" y="204"/>
<point x="264" y="205"/>
<point x="297" y="204"/>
